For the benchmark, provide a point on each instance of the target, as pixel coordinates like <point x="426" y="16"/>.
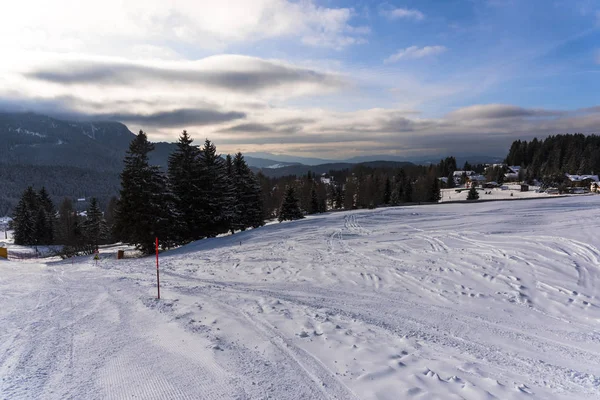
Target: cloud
<point x="486" y="129"/>
<point x="231" y="73"/>
<point x="500" y="111"/>
<point x="111" y="26"/>
<point x="414" y="52"/>
<point x="175" y="118"/>
<point x="249" y="128"/>
<point x="479" y="129"/>
<point x="72" y="108"/>
<point x="402" y="13"/>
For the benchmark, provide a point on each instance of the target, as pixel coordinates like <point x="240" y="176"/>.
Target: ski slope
<point x="456" y="301"/>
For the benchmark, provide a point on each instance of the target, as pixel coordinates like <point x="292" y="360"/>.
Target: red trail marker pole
<point x="157" y="277"/>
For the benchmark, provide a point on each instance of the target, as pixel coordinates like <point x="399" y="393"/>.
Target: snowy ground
<point x="494" y="194"/>
<point x="490" y="300"/>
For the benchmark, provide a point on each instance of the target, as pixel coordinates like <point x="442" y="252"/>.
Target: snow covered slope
<point x="474" y="301"/>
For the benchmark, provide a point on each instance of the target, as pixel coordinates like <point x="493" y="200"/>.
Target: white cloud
<point x="414" y="52"/>
<point x="111" y="25"/>
<point x="403" y="13"/>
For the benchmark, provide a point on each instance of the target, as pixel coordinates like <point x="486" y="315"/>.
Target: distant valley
<point x="83" y="159"/>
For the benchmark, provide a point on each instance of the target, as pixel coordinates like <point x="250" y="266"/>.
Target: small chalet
<point x="512" y="173"/>
<point x="459" y="174"/>
<point x="475" y="179"/>
<point x="583" y="180"/>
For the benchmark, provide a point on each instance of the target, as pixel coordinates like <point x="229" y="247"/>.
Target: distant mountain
<point x="266" y="163"/>
<point x="381" y="157"/>
<point x="419" y="160"/>
<point x="84" y="159"/>
<point x="286" y="158"/>
<point x="32" y="139"/>
<point x="323" y="168"/>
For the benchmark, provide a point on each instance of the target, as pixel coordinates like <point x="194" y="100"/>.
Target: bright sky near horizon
<point x="324" y="78"/>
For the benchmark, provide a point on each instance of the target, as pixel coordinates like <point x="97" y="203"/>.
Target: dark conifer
<point x="143" y="211"/>
<point x="185" y="187"/>
<point x="46" y="236"/>
<point x="387" y="191"/>
<point x="67" y="224"/>
<point x="407" y="191"/>
<point x="25" y="218"/>
<point x="290" y="209"/>
<point x="215" y="197"/>
<point x="248" y="201"/>
<point x="473" y="194"/>
<point x="94" y="226"/>
<point x="314" y="202"/>
<point x="451" y="184"/>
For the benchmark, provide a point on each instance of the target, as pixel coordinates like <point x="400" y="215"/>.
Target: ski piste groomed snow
<point x="457" y="301"/>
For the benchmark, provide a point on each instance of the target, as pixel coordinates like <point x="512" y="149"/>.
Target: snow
<point x="512" y="192"/>
<point x="458" y="174"/>
<point x="278" y="165"/>
<point x="27" y="132"/>
<point x="579" y="178"/>
<point x="465" y="301"/>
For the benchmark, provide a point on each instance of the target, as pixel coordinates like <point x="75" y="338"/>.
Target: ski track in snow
<point x="465" y="301"/>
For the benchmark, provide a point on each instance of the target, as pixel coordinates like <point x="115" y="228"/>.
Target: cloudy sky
<point x="324" y="78"/>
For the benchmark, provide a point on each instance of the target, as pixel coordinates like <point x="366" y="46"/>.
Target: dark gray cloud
<point x="286" y="127"/>
<point x="486" y="130"/>
<point x="65" y="107"/>
<point x="175" y="118"/>
<point x="254" y="76"/>
<point x="500" y="111"/>
<point x="248" y="128"/>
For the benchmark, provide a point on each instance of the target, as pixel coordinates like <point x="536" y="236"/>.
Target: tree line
<point x="359" y="187"/>
<point x="556" y="155"/>
<point x="36" y="222"/>
<point x="201" y="196"/>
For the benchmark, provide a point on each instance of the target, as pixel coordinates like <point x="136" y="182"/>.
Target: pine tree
<point x="185" y="185"/>
<point x="290" y="209"/>
<point x="339" y="197"/>
<point x="216" y="196"/>
<point x="45" y="232"/>
<point x="25" y="218"/>
<point x="314" y="202"/>
<point x="395" y="198"/>
<point x="67" y="224"/>
<point x="451" y="184"/>
<point x="248" y="204"/>
<point x="94" y="226"/>
<point x="143" y="211"/>
<point x="473" y="194"/>
<point x="435" y="194"/>
<point x="42" y="227"/>
<point x="349" y="194"/>
<point x="407" y="191"/>
<point x="109" y="216"/>
<point x="387" y="191"/>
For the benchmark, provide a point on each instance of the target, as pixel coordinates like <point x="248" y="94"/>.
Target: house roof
<point x="580" y="178"/>
<point x="461" y="173"/>
<point x="477" y="178"/>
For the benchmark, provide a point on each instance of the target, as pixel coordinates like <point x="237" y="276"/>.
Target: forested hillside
<point x="59" y="181"/>
<point x="555" y="155"/>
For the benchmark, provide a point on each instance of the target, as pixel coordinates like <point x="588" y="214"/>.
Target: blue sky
<point x="325" y="78"/>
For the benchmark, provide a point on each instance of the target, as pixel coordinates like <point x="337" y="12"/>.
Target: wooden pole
<point x="157" y="276"/>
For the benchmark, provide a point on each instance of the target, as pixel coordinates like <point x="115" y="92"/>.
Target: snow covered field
<point x="493" y="194"/>
<point x="466" y="301"/>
